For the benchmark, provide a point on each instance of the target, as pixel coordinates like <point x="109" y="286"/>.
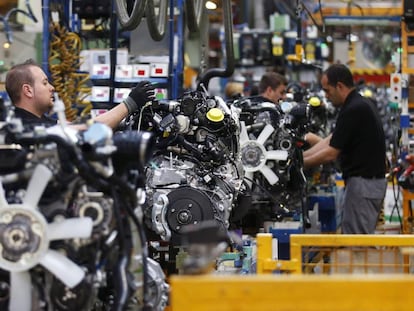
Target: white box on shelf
<point x="101" y="56"/>
<point x="101" y="71"/>
<point x="141" y="71"/>
<point x="123" y="72"/>
<point x="159" y="70"/>
<point x="120" y="94"/>
<point x="100" y="93"/>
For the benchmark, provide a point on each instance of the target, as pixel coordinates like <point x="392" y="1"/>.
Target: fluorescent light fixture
<point x="211" y="5"/>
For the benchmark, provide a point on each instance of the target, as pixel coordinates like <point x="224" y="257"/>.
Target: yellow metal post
<point x="264" y="251"/>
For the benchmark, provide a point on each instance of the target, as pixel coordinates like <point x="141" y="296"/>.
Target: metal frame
<point x="266" y="263"/>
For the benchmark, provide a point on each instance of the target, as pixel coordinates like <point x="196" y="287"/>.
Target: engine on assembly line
<point x="271" y="143"/>
<point x="195" y="174"/>
<point x="71" y="222"/>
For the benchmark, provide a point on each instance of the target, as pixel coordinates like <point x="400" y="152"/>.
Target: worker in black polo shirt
<point x="33" y="96"/>
<point x="358" y="142"/>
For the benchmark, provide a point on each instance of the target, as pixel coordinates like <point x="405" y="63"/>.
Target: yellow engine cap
<point x="215" y="115"/>
<point x="314" y="101"/>
<point x="367" y="93"/>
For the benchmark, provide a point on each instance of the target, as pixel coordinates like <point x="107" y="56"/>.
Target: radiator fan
<point x="255" y="156"/>
<point x="25" y="236"/>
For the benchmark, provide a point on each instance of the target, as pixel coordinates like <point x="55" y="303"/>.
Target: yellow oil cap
<point x="314" y="101"/>
<point x="215" y="115"/>
<point x="367" y="93"/>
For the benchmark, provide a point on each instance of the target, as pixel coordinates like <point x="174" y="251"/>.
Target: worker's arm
<point x="142" y="93"/>
<point x="320" y="143"/>
<point x="320" y="153"/>
<point x="113" y="117"/>
<point x="312" y="139"/>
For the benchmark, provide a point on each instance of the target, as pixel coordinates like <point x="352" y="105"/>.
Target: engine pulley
<point x="187" y="206"/>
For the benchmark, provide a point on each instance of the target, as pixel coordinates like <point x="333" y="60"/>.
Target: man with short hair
<point x="358" y="142"/>
<point x="272" y="87"/>
<point x="33" y="97"/>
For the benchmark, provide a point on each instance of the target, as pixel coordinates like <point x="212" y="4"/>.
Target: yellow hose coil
<point x="64" y="66"/>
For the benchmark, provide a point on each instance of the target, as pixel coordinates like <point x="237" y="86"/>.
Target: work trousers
<point x="362" y="202"/>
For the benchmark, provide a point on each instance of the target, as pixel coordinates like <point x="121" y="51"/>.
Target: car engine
<point x="195" y="174"/>
<point x="71" y="225"/>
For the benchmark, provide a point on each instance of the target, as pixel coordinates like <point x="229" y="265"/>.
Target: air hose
<point x="64" y="66"/>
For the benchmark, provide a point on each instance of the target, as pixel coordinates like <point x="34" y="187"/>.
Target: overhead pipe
<point x="206" y="76"/>
<point x="46" y="36"/>
<point x="130" y="21"/>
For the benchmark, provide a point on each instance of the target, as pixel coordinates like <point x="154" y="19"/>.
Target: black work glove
<point x="142" y="93"/>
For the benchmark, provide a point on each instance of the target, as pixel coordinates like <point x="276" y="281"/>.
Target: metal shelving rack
<point x="174" y="80"/>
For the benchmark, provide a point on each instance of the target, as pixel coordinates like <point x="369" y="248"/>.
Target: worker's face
<point x="43" y="91"/>
<point x="277" y="94"/>
<point x="331" y="92"/>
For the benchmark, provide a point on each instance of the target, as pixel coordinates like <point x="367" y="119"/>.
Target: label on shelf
<point x="100" y="94"/>
<point x="141" y="71"/>
<point x="101" y="71"/>
<point x="123" y="72"/>
<point x="159" y="70"/>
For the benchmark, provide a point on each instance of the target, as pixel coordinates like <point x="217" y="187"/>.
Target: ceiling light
<point x="211" y="5"/>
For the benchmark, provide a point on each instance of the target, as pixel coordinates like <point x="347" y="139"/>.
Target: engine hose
<point x="206" y="76"/>
<point x="194" y="11"/>
<point x="64" y="64"/>
<point x="190" y="147"/>
<point x="130" y="196"/>
<point x="128" y="17"/>
<point x="120" y="273"/>
<point x="157" y="23"/>
<point x="85" y="170"/>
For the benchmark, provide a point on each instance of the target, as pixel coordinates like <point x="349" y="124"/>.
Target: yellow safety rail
<point x="292" y="293"/>
<point x="338" y="253"/>
<point x="273" y="290"/>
